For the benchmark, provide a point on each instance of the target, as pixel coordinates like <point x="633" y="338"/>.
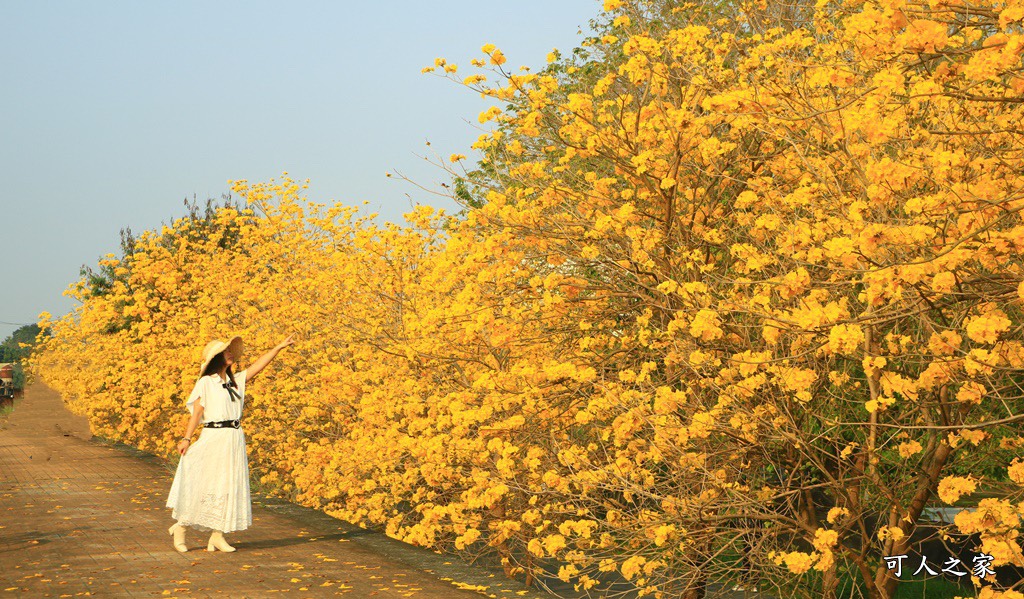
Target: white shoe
<point x="178" y="532"/>
<point x="217" y="542"/>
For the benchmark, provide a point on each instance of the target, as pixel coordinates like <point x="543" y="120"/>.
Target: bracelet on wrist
<point x="186" y="439"/>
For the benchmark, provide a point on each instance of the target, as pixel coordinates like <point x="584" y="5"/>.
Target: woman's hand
<point x="183" y="446"/>
<point x="287" y="341"/>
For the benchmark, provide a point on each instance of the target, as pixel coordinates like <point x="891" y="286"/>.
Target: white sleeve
<point x="198" y="393"/>
<point x="240" y="381"/>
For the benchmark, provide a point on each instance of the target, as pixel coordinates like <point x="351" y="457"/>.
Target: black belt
<point x="223" y="424"/>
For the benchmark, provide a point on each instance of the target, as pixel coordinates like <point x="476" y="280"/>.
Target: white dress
<point x="211" y="486"/>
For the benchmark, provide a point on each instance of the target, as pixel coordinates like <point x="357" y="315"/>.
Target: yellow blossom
<point x="796" y="561"/>
<point x="845" y="339"/>
<point x="909" y="448"/>
<point x="705" y="325"/>
<point x="1016" y="471"/>
<point x="632" y="566"/>
<point x="987" y="327"/>
<point x="952" y="488"/>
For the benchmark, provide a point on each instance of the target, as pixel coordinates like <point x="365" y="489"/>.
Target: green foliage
<point x="203" y="223"/>
<point x="12" y="351"/>
<point x="200" y="223"/>
<point x="99" y="282"/>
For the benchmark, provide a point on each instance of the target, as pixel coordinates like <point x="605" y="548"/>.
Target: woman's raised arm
<point x="266" y="358"/>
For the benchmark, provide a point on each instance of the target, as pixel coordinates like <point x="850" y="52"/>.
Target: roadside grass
<point x="931" y="588"/>
<point x="911" y="588"/>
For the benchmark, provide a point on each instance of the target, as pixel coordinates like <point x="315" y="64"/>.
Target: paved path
<point x="80" y="517"/>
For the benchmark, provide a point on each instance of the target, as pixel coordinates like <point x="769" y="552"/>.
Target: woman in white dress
<point x="211" y="485"/>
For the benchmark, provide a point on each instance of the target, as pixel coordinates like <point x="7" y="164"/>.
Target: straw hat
<point x="217" y="346"/>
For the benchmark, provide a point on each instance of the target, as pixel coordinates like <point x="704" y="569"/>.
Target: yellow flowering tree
<point x="735" y="297"/>
<point x="791" y="253"/>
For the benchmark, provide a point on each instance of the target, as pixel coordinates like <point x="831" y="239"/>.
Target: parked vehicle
<point x="7" y="380"/>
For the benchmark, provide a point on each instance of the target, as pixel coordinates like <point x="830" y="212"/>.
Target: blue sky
<point x="112" y="113"/>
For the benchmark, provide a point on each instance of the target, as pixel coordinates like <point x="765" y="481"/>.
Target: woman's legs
<point x="217" y="542"/>
<point x="178" y="532"/>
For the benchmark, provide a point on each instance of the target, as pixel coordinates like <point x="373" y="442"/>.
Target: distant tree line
<point x="12" y="351"/>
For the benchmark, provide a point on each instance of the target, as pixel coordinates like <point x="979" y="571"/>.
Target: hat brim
<point x="235" y="346"/>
